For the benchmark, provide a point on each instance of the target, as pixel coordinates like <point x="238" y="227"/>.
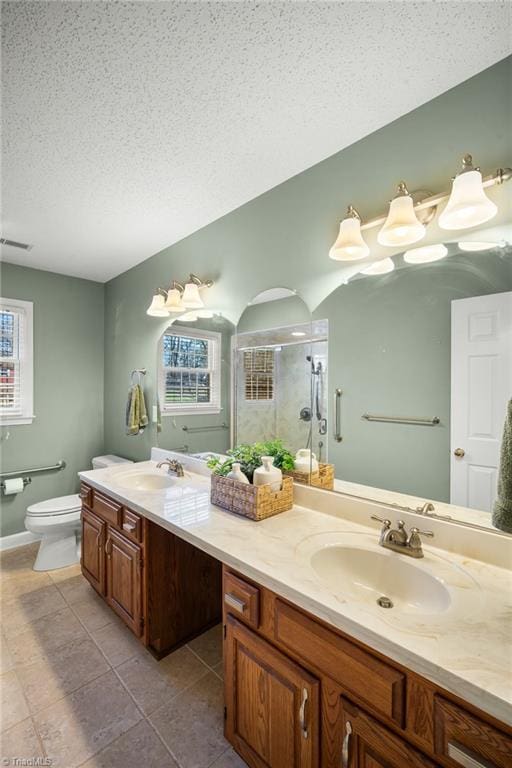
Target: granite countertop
<point x="466" y="649"/>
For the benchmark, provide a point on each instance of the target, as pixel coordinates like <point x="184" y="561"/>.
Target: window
<point x="16" y="364"/>
<point x="259" y="374"/>
<point x="189" y="375"/>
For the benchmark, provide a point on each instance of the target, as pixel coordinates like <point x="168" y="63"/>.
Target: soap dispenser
<point x="267" y="474"/>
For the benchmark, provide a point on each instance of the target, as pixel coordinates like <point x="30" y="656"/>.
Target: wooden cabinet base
<point x="165" y="590"/>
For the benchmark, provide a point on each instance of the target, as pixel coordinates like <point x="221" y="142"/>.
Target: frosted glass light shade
<point x="191" y="298"/>
<point x="174" y="302"/>
<point x="204" y="314"/>
<point x="381" y="267"/>
<point x="468" y="205"/>
<point x="349" y="245"/>
<point x="426" y="254"/>
<point x="475" y="246"/>
<point x="401" y="226"/>
<point x="188" y="317"/>
<point x="157" y="306"/>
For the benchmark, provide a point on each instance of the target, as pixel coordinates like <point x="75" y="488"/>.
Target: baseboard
<point x="18" y="540"/>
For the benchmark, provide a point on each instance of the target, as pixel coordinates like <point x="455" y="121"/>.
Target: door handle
<point x="459" y="453"/>
<point x="464" y="758"/>
<point x="108" y="547"/>
<point x="302" y="713"/>
<point x="235" y="602"/>
<point x="129" y="526"/>
<point x="345" y="750"/>
<point x="337" y="415"/>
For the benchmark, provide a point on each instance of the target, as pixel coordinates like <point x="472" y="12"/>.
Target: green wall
<point x="68" y="386"/>
<point x="282" y="238"/>
<point x="389" y="352"/>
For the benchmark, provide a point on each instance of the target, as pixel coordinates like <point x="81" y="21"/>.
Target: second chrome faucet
<point x="397" y="539"/>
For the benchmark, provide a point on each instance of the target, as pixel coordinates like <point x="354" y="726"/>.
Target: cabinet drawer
<point x="131" y="524"/>
<point x="467" y="741"/>
<point x="378" y="684"/>
<point x="241" y="599"/>
<point x="106" y="508"/>
<point x="86" y="495"/>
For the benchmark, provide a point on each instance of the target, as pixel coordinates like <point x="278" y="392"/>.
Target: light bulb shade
<point x="401" y="226"/>
<point x="157" y="306"/>
<point x="381" y="267"/>
<point x="191" y="298"/>
<point x="174" y="302"/>
<point x="349" y="245"/>
<point x="473" y="246"/>
<point x="425" y="254"/>
<point x="468" y="205"/>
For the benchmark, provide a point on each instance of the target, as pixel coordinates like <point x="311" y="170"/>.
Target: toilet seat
<point x="62" y="505"/>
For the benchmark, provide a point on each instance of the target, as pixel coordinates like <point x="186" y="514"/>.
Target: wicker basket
<point x="323" y="478"/>
<point x="253" y="501"/>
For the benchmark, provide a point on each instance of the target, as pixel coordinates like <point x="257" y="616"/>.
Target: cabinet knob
<point x="459" y="453"/>
<point x="129" y="526"/>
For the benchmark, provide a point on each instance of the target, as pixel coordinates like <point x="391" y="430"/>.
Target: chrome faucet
<point x="172" y="466"/>
<point x="397" y="540"/>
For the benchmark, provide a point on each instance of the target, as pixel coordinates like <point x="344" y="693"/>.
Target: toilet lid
<point x="58" y="506"/>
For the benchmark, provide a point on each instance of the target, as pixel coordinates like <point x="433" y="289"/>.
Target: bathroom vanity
<point x="316" y="673"/>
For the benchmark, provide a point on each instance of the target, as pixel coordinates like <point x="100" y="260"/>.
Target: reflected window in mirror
<point x="189" y="371"/>
<point x="258" y="374"/>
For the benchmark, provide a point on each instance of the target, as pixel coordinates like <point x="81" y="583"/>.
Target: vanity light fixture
<point x="349" y="245"/>
<point x="473" y="247"/>
<point x="402" y="226"/>
<point x="468" y="205"/>
<point x="381" y="267"/>
<point x="157" y="306"/>
<point x="426" y="253"/>
<point x="191" y="297"/>
<point x="174" y="301"/>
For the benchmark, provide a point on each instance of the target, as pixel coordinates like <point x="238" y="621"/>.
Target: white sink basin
<point x="368" y="575"/>
<point x="358" y="570"/>
<point x="145" y="481"/>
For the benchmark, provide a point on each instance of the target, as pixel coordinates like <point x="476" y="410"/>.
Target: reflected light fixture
<point x="468" y="205"/>
<point x="402" y="226"/>
<point x="298" y="333"/>
<point x="189" y="317"/>
<point x="174" y="302"/>
<point x="381" y="267"/>
<point x="349" y="245"/>
<point x="426" y="253"/>
<point x="473" y="247"/>
<point x="204" y="314"/>
<point x="157" y="306"/>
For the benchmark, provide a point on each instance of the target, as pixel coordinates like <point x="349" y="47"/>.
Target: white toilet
<point x="57" y="521"/>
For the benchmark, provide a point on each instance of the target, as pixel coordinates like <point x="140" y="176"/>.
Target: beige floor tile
<point x="20" y="742"/>
<point x="93" y="612"/>
<point x="140" y="746"/>
<point x="20" y="583"/>
<point x="219" y="669"/>
<point x="63" y="574"/>
<point x="208" y="646"/>
<point x="74" y="589"/>
<point x="13" y="708"/>
<point x="192" y="723"/>
<point x="24" y="609"/>
<point x="45" y="635"/>
<point x="6" y="659"/>
<point x="19" y="559"/>
<point x="63" y="671"/>
<point x="85" y="722"/>
<point x="229" y="759"/>
<point x="117" y="642"/>
<point x="152" y="682"/>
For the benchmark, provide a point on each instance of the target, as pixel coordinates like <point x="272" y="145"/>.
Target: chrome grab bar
<point x="403" y="420"/>
<point x="337" y="415"/>
<point x="205" y="429"/>
<point x="59" y="465"/>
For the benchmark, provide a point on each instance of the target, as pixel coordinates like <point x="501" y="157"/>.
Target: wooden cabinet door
<point x="124" y="579"/>
<point x="368" y="744"/>
<point x="272" y="704"/>
<point x="93" y="550"/>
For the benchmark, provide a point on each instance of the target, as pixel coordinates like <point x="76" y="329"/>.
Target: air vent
<point x="15" y="244"/>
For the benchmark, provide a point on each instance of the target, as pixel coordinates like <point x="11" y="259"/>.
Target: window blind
<point x="11" y="355"/>
<point x="190" y="372"/>
<point x="259" y="374"/>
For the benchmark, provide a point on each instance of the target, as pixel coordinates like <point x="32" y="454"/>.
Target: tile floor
<point x="79" y="690"/>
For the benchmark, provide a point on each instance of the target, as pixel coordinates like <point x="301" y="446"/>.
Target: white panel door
<point x="481" y="386"/>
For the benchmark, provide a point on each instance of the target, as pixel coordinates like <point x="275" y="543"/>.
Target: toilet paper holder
<point x="26" y="481"/>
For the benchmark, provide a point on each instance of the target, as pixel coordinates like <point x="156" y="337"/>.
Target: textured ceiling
<point x="127" y="126"/>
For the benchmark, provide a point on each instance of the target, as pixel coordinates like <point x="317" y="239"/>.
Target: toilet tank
<point x="100" y="462"/>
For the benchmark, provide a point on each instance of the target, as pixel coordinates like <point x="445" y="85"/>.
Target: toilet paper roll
<point x="13" y="485"/>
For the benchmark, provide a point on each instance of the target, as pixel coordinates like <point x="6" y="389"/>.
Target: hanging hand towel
<point x="136" y="415"/>
<point x="502" y="512"/>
